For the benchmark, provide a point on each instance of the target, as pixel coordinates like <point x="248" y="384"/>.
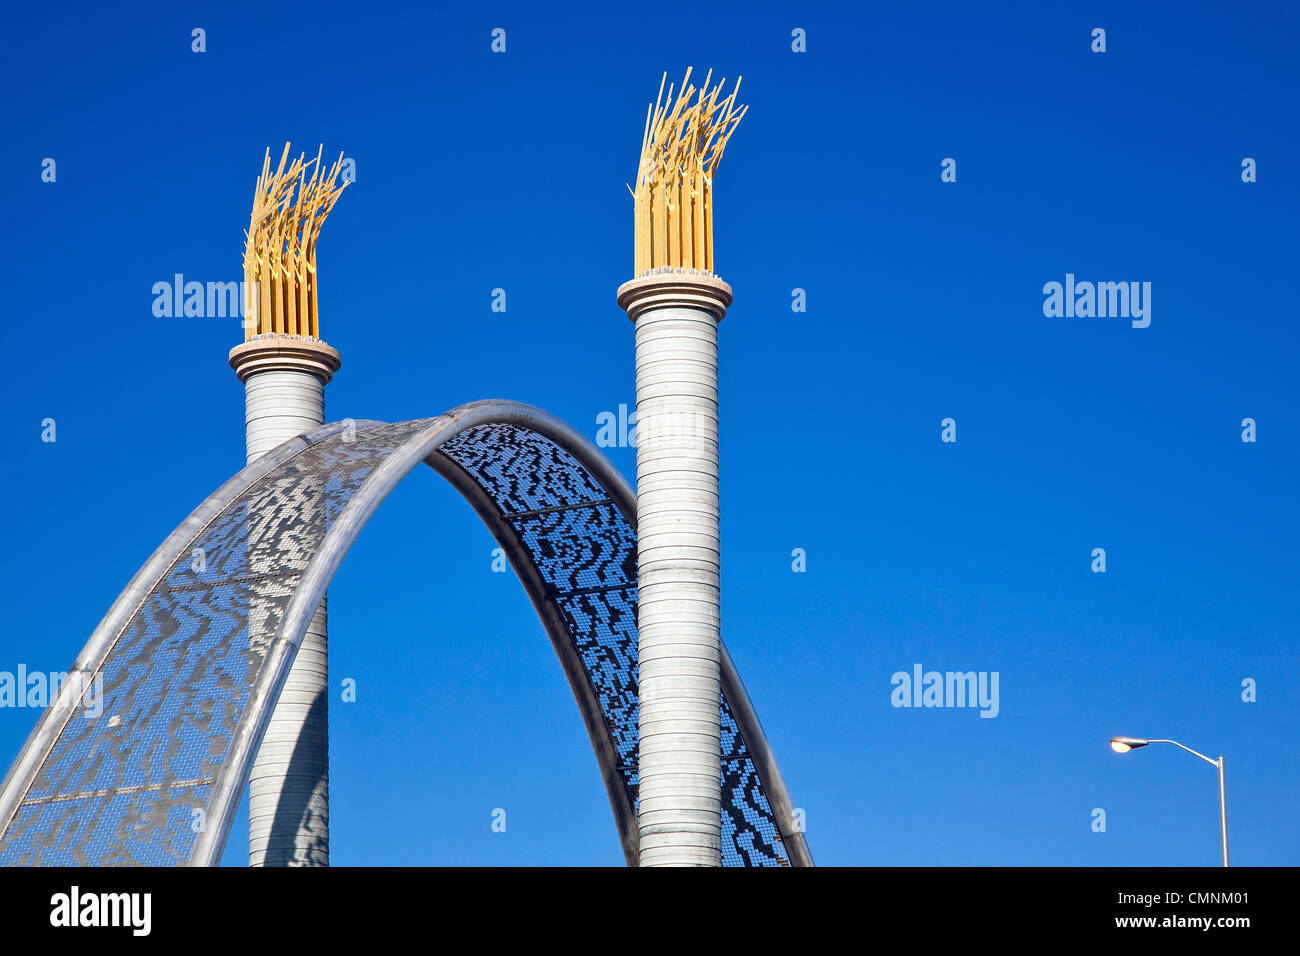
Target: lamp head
<point x="1122" y="745"/>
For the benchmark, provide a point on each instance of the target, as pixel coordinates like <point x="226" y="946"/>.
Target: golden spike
<point x="681" y="143"/>
<point x="289" y="207"/>
<point x="697" y="220"/>
<point x="290" y="204"/>
<point x="306" y="218"/>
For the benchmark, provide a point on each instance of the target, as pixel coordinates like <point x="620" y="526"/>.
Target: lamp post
<point x="1122" y="745"/>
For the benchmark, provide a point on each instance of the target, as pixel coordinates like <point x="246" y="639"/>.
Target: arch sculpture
<point x="166" y="705"/>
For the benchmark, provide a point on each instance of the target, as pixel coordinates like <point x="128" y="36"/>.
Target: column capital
<point x="285" y="353"/>
<point x="674" y="288"/>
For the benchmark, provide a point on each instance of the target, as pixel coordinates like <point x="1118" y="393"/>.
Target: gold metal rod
<point x="289" y="207"/>
<point x="682" y="142"/>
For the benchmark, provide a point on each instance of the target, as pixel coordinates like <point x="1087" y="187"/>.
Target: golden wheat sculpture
<point x="280" y="244"/>
<point x="680" y="150"/>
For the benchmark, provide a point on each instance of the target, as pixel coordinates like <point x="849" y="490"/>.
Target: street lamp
<point x="1122" y="745"/>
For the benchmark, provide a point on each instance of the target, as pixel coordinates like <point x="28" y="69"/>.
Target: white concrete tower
<point x="676" y="303"/>
<point x="676" y="316"/>
<point x="288" y="810"/>
<point x="285" y="367"/>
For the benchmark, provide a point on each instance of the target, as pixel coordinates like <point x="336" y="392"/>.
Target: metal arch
<point x="329" y="557"/>
<point x="96" y="649"/>
<point x="423" y="445"/>
<point x="733" y="689"/>
<point x="624" y="497"/>
<point x="558" y="632"/>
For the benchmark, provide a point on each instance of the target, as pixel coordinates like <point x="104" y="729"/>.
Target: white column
<point x="676" y="313"/>
<point x="288" y="818"/>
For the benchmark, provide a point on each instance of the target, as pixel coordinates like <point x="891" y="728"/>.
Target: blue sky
<point x="924" y="301"/>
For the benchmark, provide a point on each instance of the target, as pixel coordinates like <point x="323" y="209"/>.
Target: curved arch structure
<point x="143" y="755"/>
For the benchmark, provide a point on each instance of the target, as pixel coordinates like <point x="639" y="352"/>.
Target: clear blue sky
<point x="477" y="171"/>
